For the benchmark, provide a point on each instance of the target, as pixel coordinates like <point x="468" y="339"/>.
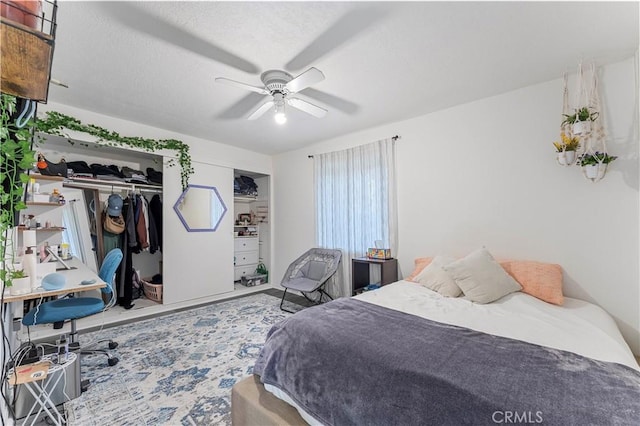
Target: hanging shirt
<point x="155" y="207"/>
<point x="153" y="233"/>
<point x="141" y="224"/>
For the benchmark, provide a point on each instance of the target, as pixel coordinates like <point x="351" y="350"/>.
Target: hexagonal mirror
<point x="200" y="208"/>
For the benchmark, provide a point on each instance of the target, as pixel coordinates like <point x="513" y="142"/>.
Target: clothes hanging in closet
<point x="155" y="210"/>
<point x="143" y="231"/>
<point x="125" y="272"/>
<point x="153" y="231"/>
<point x="141" y="223"/>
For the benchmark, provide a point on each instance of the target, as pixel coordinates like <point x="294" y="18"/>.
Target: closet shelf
<point x="38" y="176"/>
<point x="244" y="199"/>
<point x="87" y="183"/>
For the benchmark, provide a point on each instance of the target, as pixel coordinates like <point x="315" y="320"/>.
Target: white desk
<point x="73" y="276"/>
<point x="72" y="285"/>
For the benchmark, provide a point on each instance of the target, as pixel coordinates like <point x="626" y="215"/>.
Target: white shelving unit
<point x="252" y="240"/>
<point x="245" y="251"/>
<point x="45" y="212"/>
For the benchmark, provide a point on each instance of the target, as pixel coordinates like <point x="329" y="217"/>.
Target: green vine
<point x="16" y="156"/>
<point x="54" y="123"/>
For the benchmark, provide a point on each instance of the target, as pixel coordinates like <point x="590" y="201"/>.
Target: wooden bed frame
<point x="252" y="405"/>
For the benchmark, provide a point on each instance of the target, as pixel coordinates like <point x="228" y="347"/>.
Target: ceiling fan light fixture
<point x="279" y="115"/>
<point x="282" y="86"/>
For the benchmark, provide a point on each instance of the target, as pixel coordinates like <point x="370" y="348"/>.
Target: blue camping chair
<point x="73" y="308"/>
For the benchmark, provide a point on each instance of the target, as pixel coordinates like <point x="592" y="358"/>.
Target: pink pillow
<point x="421" y="263"/>
<point x="541" y="280"/>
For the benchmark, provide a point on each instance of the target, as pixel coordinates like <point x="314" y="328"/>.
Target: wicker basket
<point x="152" y="291"/>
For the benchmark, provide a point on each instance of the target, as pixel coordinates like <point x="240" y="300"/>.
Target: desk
<point x="73" y="276"/>
<point x="72" y="285"/>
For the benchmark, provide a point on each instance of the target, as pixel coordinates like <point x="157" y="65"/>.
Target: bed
<point x="405" y="354"/>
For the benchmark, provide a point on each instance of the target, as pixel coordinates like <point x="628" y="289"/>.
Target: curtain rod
<point x="395" y="138"/>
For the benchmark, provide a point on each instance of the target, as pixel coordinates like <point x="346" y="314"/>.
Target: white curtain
<point x="356" y="203"/>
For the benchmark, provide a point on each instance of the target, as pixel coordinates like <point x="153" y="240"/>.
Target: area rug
<point x="177" y="369"/>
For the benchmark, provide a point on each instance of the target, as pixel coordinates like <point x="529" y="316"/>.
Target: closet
<point x="252" y="229"/>
<point x="196" y="266"/>
<point x="86" y="200"/>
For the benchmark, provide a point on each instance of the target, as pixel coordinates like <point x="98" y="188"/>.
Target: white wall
<point x="484" y="173"/>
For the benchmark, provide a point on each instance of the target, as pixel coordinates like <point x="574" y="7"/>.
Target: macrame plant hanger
<point x="565" y="158"/>
<point x="593" y="138"/>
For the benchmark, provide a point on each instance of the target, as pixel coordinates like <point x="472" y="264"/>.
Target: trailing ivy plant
<point x="16" y="156"/>
<point x="54" y="123"/>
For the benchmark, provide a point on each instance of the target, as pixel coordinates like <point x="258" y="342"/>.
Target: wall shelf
<point x="50" y="229"/>
<point x="34" y="203"/>
<point x="27" y="50"/>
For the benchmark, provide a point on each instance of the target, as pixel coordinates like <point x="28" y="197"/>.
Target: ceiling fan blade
<point x="307" y="107"/>
<point x="344" y="29"/>
<point x="304" y="80"/>
<point x="333" y="101"/>
<point x="139" y="19"/>
<point x="263" y="108"/>
<point x="229" y="82"/>
<point x="242" y="107"/>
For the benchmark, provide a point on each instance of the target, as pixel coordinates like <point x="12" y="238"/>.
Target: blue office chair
<point x="79" y="307"/>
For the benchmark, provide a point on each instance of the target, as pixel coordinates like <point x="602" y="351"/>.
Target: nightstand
<point x="360" y="272"/>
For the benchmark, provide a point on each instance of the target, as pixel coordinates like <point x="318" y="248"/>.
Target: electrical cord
<point x="7" y="355"/>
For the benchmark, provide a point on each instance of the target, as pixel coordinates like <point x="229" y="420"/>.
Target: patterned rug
<point x="176" y="369"/>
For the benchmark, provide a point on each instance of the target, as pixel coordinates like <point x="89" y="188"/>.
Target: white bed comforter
<point x="578" y="326"/>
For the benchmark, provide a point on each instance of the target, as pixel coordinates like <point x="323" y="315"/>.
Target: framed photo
<point x="244" y="217"/>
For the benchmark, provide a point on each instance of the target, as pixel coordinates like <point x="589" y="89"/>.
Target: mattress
<point x="578" y="326"/>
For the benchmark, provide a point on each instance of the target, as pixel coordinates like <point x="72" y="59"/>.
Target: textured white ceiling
<point x="155" y="62"/>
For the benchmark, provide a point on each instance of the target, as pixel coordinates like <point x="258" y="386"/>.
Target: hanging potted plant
<point x="580" y="121"/>
<point x="595" y="165"/>
<point x="566" y="149"/>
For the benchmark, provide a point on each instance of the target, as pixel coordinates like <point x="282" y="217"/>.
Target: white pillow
<point x="437" y="279"/>
<point x="481" y="278"/>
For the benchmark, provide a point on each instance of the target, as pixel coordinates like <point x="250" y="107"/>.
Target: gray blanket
<point x="349" y="362"/>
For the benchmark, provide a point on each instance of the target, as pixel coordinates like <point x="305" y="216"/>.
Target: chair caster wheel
<point x="112" y="361"/>
<point x="113" y="345"/>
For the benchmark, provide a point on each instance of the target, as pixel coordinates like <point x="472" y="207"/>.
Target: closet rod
<point x="111" y="186"/>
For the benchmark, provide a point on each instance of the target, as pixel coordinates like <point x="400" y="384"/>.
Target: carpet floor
<point x="176" y="369"/>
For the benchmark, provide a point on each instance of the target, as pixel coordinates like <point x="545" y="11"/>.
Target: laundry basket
<point x="152" y="291"/>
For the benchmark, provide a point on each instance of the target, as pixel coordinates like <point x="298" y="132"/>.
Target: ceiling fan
<point x="282" y="86"/>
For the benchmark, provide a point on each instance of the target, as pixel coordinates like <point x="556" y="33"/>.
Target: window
<point x="356" y="202"/>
